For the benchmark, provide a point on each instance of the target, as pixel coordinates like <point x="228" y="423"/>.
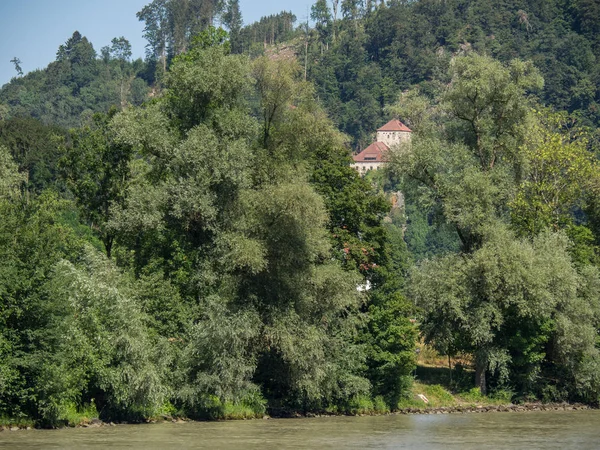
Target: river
<point x="526" y="430"/>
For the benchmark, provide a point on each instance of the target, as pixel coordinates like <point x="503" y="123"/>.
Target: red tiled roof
<point x="395" y="125"/>
<point x="373" y="153"/>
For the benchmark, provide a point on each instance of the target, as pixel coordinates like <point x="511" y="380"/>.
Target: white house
<point x="374" y="156"/>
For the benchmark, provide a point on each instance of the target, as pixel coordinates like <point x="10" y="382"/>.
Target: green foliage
<point x="77" y="84"/>
<point x="391" y="350"/>
<point x="206" y="82"/>
<point x="74" y="416"/>
<point x="35" y="149"/>
<point x="561" y="171"/>
<point x="479" y="148"/>
<point x="272" y="29"/>
<point x="105" y="341"/>
<point x="243" y="239"/>
<point x="95" y="169"/>
<point x="436" y="394"/>
<point x="240" y="240"/>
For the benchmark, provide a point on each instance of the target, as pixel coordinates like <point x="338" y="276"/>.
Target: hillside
<point x="185" y="236"/>
<point x="359" y="62"/>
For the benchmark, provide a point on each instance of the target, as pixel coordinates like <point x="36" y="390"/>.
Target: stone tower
<point x="394" y="132"/>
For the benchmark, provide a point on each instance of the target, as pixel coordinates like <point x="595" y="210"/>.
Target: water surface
<point x="530" y="430"/>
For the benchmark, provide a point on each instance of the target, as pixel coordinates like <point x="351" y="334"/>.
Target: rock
<point x="14" y="428"/>
<point x="266" y="417"/>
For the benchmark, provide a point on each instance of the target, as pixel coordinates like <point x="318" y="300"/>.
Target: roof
<point x="395" y="125"/>
<point x="373" y="153"/>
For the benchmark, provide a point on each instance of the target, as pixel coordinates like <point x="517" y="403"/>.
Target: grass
<point x="251" y="406"/>
<point x="447" y="388"/>
<point x="238" y="411"/>
<point x="441" y="397"/>
<point x="437" y="395"/>
<point x="10" y="422"/>
<point x="361" y="405"/>
<point x="474" y="397"/>
<point x="74" y="416"/>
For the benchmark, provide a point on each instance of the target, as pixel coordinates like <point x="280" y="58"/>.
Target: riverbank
<point x="459" y="409"/>
<point x="497" y="408"/>
<point x="423" y="398"/>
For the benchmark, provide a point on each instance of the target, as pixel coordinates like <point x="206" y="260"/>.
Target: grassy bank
<point x="436" y="389"/>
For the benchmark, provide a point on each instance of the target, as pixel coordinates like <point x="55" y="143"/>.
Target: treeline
<point x="78" y="84"/>
<point x="198" y="255"/>
<point x="269" y="30"/>
<point x="359" y="54"/>
<point x="82" y="81"/>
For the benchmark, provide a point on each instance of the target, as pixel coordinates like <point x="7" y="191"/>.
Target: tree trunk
<point x="480" y="369"/>
<point x="108" y="244"/>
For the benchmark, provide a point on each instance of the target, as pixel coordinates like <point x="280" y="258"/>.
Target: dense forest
<point x="184" y="235"/>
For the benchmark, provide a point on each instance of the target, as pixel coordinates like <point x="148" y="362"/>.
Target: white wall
<point x="364" y="167"/>
<point x="391" y="138"/>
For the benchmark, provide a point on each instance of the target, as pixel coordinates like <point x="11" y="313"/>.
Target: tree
<point x="489" y="101"/>
<point x="243" y="239"/>
<point x="277" y="87"/>
<point x="467" y="160"/>
<point x="96" y="170"/>
<point x="120" y="49"/>
<point x="561" y="172"/>
<point x="502" y="303"/>
<point x="35" y="149"/>
<point x="232" y="19"/>
<point x="320" y="13"/>
<point x="207" y="81"/>
<point x="17" y="62"/>
<point x="155" y="16"/>
<point x="334" y="8"/>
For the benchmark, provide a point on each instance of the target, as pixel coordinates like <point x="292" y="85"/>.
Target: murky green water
<point x="528" y="430"/>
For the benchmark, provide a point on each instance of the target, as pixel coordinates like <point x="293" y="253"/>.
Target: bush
<point x="211" y="407"/>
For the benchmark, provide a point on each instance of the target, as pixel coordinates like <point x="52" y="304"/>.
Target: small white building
<point x="374" y="156"/>
<point x="371" y="158"/>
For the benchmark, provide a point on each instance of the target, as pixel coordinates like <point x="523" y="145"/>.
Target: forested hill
<point x="360" y="55"/>
<point x="361" y="61"/>
<point x="79" y="83"/>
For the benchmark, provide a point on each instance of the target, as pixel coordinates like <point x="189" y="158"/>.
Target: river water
<point x="522" y="430"/>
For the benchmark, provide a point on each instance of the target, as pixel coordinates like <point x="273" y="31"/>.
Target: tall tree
<point x="17" y="63"/>
<point x="155" y="17"/>
<point x="320" y="13"/>
<point x="96" y="170"/>
<point x="232" y="19"/>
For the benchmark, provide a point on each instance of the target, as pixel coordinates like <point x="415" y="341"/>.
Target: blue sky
<point x="32" y="30"/>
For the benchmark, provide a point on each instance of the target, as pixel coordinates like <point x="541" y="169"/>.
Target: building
<point x="374" y="156"/>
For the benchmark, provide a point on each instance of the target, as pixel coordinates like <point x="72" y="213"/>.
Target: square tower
<point x="393" y="133"/>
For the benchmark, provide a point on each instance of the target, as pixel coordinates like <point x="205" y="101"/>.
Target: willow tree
<point x="243" y="239"/>
<point x="479" y="160"/>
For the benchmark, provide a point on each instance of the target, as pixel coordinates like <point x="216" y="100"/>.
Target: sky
<point x="32" y="30"/>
